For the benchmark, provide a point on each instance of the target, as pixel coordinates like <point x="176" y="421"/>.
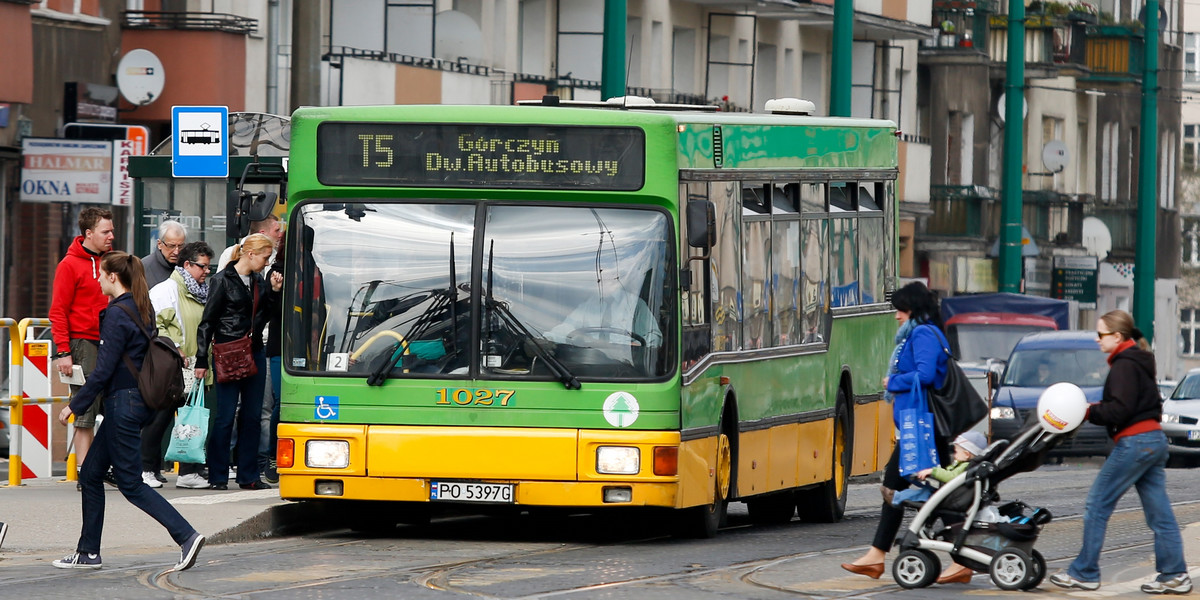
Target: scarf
<point x="901" y="339"/>
<point x="198" y="290"/>
<point x="1123" y="346"/>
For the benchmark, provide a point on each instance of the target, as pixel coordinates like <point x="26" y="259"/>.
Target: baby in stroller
<point x="965" y="518"/>
<point x="966" y="446"/>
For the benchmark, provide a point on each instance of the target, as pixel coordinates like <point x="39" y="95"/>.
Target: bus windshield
<point x="399" y="289"/>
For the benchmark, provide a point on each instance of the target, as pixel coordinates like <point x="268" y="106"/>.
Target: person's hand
<point x="276" y="280"/>
<point x="923" y="473"/>
<point x="199" y="372"/>
<point x="64" y="365"/>
<point x="64" y="415"/>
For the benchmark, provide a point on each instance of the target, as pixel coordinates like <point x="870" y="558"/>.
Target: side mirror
<point x="701" y="224"/>
<point x="237" y="207"/>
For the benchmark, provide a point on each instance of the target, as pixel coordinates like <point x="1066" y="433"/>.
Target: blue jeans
<point x="118" y="444"/>
<point x="249" y="392"/>
<point x="269" y="439"/>
<point x="1136" y="460"/>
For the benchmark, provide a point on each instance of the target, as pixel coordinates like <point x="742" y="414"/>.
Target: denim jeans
<point x="1136" y="460"/>
<point x="249" y="392"/>
<point x="269" y="439"/>
<point x="117" y="444"/>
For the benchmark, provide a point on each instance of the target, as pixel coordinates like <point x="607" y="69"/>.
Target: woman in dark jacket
<point x="1131" y="410"/>
<point x="239" y="303"/>
<point x="920" y="355"/>
<point x="118" y="441"/>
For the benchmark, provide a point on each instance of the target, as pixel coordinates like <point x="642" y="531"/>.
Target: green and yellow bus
<point x="560" y="306"/>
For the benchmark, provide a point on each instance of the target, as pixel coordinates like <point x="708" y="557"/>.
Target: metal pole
<point x="842" y="65"/>
<point x="1144" y="272"/>
<point x="612" y="69"/>
<point x="1014" y="150"/>
<point x="306" y="54"/>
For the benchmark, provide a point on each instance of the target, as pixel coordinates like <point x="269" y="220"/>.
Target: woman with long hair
<point x="118" y="441"/>
<point x="1130" y="408"/>
<point x="239" y="304"/>
<point x="920" y="354"/>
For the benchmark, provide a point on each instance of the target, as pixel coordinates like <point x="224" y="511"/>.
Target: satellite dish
<point x="1002" y="108"/>
<point x="1055" y="156"/>
<point x="1096" y="237"/>
<point x="140" y="77"/>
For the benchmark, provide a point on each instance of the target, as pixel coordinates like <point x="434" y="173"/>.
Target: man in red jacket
<point x="75" y="310"/>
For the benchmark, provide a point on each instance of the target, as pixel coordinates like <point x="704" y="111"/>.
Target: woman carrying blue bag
<point x="919" y="358"/>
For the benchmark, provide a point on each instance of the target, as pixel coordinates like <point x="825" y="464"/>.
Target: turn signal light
<point x="666" y="460"/>
<point x="285" y="453"/>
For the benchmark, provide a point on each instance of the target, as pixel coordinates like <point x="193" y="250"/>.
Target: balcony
<point x="962" y="24"/>
<point x="199" y="21"/>
<point x="1121" y="221"/>
<point x="1114" y="53"/>
<point x="1053" y="217"/>
<point x="1051" y="39"/>
<point x="963" y="211"/>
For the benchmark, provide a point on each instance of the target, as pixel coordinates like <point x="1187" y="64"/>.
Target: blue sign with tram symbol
<point x="200" y="141"/>
<point x="326" y="408"/>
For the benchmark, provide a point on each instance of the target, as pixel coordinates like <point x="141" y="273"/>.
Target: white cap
<point x="971" y="441"/>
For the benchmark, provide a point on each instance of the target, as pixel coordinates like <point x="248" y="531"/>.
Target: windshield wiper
<point x="560" y="370"/>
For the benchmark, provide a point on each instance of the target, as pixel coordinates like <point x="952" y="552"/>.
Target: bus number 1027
<point x="464" y="397"/>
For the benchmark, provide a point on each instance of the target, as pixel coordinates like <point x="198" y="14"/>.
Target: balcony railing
<point x="1054" y="217"/>
<point x="144" y="19"/>
<point x="1049" y="39"/>
<point x="1114" y="52"/>
<point x="1121" y="221"/>
<point x="962" y="23"/>
<point x="963" y="211"/>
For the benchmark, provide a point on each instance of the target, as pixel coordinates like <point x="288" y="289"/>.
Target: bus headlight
<point x="1003" y="412"/>
<point x="617" y="460"/>
<point x="327" y="454"/>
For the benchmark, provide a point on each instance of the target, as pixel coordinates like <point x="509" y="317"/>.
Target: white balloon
<point x="1062" y="408"/>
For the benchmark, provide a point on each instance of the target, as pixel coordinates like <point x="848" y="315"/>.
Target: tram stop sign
<point x="1075" y="278"/>
<point x="200" y="141"/>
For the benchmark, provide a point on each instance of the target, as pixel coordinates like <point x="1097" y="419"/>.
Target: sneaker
<point x="219" y="486"/>
<point x="160" y="477"/>
<point x="1064" y="580"/>
<point x="1177" y="584"/>
<point x="188" y="552"/>
<point x="110" y="479"/>
<point x="255" y="485"/>
<point x="271" y="473"/>
<point x="3" y="532"/>
<point x="192" y="481"/>
<point x="78" y="561"/>
<point x="150" y="480"/>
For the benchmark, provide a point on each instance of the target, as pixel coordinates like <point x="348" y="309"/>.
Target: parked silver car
<point x="1181" y="421"/>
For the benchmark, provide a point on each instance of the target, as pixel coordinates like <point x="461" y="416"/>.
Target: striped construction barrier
<point x="29" y="363"/>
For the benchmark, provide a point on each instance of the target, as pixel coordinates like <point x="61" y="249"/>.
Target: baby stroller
<point x="965" y="518"/>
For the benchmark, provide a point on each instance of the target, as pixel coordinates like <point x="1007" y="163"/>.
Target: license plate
<point x="463" y="491"/>
<point x="1194" y="435"/>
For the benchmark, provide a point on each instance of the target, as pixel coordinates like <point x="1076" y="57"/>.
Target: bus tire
<point x="772" y="509"/>
<point x="703" y="521"/>
<point x="826" y="503"/>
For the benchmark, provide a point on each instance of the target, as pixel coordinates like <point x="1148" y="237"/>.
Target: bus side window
<point x="694" y="302"/>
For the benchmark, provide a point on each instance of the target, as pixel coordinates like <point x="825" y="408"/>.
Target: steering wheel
<point x="595" y="331"/>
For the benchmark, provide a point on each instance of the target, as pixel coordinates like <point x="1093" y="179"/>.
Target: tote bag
<point x="190" y="434"/>
<point x="918" y="449"/>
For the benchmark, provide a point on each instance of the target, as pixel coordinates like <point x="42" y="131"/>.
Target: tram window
<point x="839" y="197"/>
<point x="755" y="200"/>
<point x="785" y="199"/>
<point x="866" y="197"/>
<point x="812" y="197"/>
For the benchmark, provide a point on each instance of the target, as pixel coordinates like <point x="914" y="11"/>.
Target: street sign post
<point x="1076" y="278"/>
<point x="199" y="141"/>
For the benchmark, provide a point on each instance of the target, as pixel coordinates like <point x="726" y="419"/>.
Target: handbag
<point x="189" y="436"/>
<point x="956" y="406"/>
<point x="918" y="448"/>
<point x="234" y="360"/>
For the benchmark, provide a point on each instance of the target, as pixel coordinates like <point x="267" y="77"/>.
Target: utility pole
<point x="1014" y="151"/>
<point x="306" y="54"/>
<point x="612" y="69"/>
<point x="1144" y="267"/>
<point x="842" y="64"/>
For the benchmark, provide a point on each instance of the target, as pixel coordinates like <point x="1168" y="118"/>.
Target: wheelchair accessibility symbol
<point x="326" y="408"/>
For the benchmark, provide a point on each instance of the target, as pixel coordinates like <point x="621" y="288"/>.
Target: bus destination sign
<point x="481" y="156"/>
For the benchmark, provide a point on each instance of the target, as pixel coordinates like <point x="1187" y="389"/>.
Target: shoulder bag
<point x="956" y="406"/>
<point x="234" y="361"/>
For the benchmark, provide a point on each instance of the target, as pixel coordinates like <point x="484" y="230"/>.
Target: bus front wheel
<point x="704" y="521"/>
<point x="826" y="503"/>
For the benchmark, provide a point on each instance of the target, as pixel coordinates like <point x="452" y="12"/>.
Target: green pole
<point x="1014" y="150"/>
<point x="612" y="69"/>
<point x="843" y="49"/>
<point x="1147" y="207"/>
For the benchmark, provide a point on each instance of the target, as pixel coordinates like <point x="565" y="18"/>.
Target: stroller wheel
<point x="1012" y="569"/>
<point x="1039" y="572"/>
<point x="916" y="568"/>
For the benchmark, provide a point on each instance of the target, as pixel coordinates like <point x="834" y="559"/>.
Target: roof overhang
<point x="867" y="26"/>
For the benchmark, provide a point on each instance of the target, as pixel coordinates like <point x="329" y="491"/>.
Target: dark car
<point x="1040" y="360"/>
